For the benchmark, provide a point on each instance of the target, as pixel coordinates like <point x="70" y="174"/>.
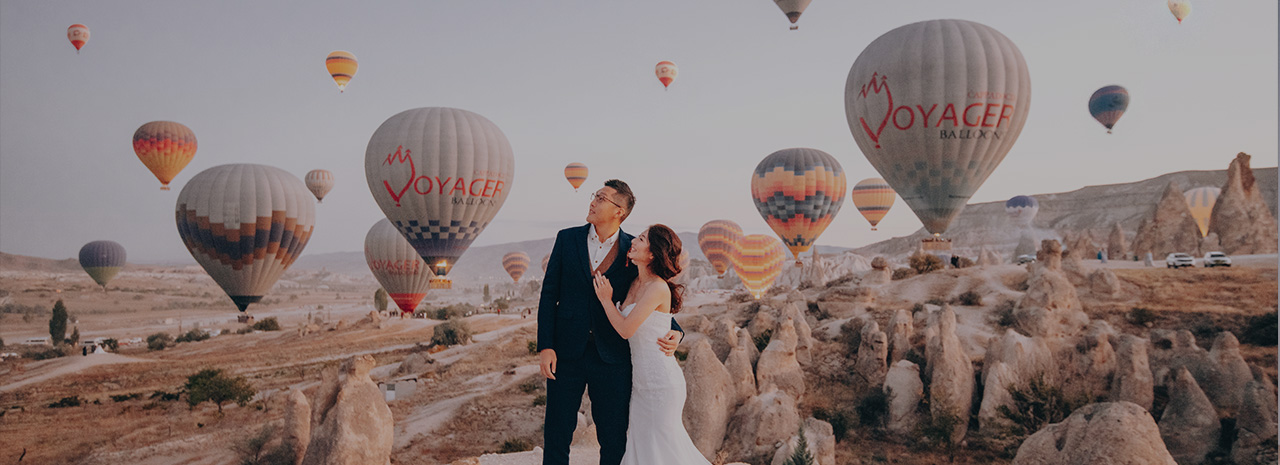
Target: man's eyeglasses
<point x="600" y="196"/>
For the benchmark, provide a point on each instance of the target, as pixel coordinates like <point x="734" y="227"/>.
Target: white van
<point x="36" y="341"/>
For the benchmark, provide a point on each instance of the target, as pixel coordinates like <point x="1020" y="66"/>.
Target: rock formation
<point x="1117" y="246"/>
<point x="1103" y="433"/>
<point x="355" y="426"/>
<point x="1133" y="381"/>
<point x="778" y="367"/>
<point x="749" y="344"/>
<point x="1089" y="365"/>
<point x="1230" y="373"/>
<point x="880" y="272"/>
<point x="414" y="364"/>
<point x="1255" y="424"/>
<point x="872" y="353"/>
<point x="763" y="422"/>
<point x="297" y="425"/>
<point x="711" y="394"/>
<point x="804" y="334"/>
<point x="901" y="328"/>
<point x="1221" y="372"/>
<point x="905" y="390"/>
<point x="724" y="337"/>
<point x="1170" y="228"/>
<point x="1027" y="358"/>
<point x="814" y="273"/>
<point x="998" y="378"/>
<point x="1189" y="425"/>
<point x="1050" y="307"/>
<point x="1103" y="282"/>
<point x="1241" y="219"/>
<point x="741" y="373"/>
<point x="950" y="373"/>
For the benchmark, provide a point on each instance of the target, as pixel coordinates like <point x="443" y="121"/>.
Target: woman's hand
<point x="604" y="289"/>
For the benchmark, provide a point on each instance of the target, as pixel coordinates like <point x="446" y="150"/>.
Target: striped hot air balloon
<point x="718" y="240"/>
<point x="395" y="264"/>
<point x="1201" y="201"/>
<point x="666" y="72"/>
<point x="874" y="198"/>
<point x="793" y="9"/>
<point x="165" y="147"/>
<point x="245" y="224"/>
<point x="546" y="259"/>
<point x="759" y="262"/>
<point x="78" y="34"/>
<point x="576" y="174"/>
<point x="798" y="192"/>
<point x="1108" y="104"/>
<point x="1022" y="209"/>
<point x="516" y="263"/>
<point x="102" y="260"/>
<point x="342" y="67"/>
<point x="319" y="182"/>
<point x="1180" y="9"/>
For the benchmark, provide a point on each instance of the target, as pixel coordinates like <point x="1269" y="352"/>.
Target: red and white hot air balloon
<point x="78" y="34"/>
<point x="396" y="265"/>
<point x="666" y="72"/>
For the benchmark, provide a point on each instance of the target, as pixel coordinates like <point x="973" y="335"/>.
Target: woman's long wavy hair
<point x="666" y="248"/>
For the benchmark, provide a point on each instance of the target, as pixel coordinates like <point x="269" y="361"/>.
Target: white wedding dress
<point x="656" y="434"/>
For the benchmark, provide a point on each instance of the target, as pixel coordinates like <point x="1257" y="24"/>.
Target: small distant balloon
<point x="515" y="264"/>
<point x="1180" y="9"/>
<point x="1201" y="200"/>
<point x="1022" y="209"/>
<point x="78" y="34"/>
<point x="319" y="182"/>
<point x="576" y="174"/>
<point x="666" y="72"/>
<point x="102" y="260"/>
<point x="342" y="67"/>
<point x="165" y="147"/>
<point x="1108" y="104"/>
<point x="793" y="9"/>
<point x="874" y="198"/>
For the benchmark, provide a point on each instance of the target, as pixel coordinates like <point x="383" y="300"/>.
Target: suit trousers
<point x="609" y="387"/>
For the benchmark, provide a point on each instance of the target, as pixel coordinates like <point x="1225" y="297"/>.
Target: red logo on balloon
<point x="413" y="172"/>
<point x="876" y="87"/>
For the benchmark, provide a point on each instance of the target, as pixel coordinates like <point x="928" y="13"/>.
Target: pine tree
<point x="380" y="299"/>
<point x="486" y="293"/>
<point x="58" y="323"/>
<point x="75" y="335"/>
<point x="801" y="455"/>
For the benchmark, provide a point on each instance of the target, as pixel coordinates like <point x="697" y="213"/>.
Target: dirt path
<point x="42" y="371"/>
<point x="426" y="418"/>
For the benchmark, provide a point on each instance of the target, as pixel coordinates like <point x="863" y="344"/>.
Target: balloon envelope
<point x="666" y="72"/>
<point x="759" y="262"/>
<point x="165" y="147"/>
<point x="245" y="224"/>
<point x="342" y="67"/>
<point x="1201" y="200"/>
<point x="874" y="198"/>
<point x="397" y="267"/>
<point x="793" y="9"/>
<point x="1022" y="209"/>
<point x="546" y="259"/>
<point x="78" y="34"/>
<point x="102" y="260"/>
<point x="1108" y="104"/>
<point x="576" y="174"/>
<point x="798" y="192"/>
<point x="440" y="175"/>
<point x="516" y="263"/>
<point x="319" y="182"/>
<point x="718" y="240"/>
<point x="935" y="106"/>
<point x="1180" y="9"/>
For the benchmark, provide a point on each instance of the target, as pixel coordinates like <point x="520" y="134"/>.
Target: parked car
<point x="1213" y="259"/>
<point x="36" y="341"/>
<point x="1024" y="259"/>
<point x="1179" y="260"/>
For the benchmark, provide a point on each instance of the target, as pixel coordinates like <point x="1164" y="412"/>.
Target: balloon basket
<point x="794" y="27"/>
<point x="440" y="283"/>
<point x="164" y="187"/>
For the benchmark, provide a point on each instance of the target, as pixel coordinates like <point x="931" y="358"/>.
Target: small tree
<point x="502" y="303"/>
<point x="486" y="293"/>
<point x="801" y="455"/>
<point x="380" y="299"/>
<point x="75" y="336"/>
<point x="212" y="386"/>
<point x="159" y="341"/>
<point x="58" y="323"/>
<point x="925" y="263"/>
<point x="111" y="344"/>
<point x="267" y="324"/>
<point x="452" y="332"/>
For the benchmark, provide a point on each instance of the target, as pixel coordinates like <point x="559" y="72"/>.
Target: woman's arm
<point x="651" y="297"/>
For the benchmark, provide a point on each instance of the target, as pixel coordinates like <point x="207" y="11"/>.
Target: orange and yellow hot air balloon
<point x="718" y="240"/>
<point x="515" y="264"/>
<point x="78" y="34"/>
<point x="342" y="66"/>
<point x="666" y="72"/>
<point x="873" y="197"/>
<point x="165" y="147"/>
<point x="798" y="192"/>
<point x="759" y="262"/>
<point x="576" y="174"/>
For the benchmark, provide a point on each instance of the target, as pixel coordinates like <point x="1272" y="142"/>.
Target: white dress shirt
<point x="597" y="249"/>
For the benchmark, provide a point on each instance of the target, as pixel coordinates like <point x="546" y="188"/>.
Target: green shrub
<point x="515" y="445"/>
<point x="1038" y="404"/>
<point x="452" y="332"/>
<point x="969" y="298"/>
<point x="681" y="355"/>
<point x="925" y="263"/>
<point x="873" y="410"/>
<point x="801" y="455"/>
<point x="195" y="335"/>
<point x="502" y="303"/>
<point x="903" y="273"/>
<point x="1260" y="330"/>
<point x="166" y="396"/>
<point x="841" y="281"/>
<point x="762" y="340"/>
<point x="213" y="386"/>
<point x="111" y="344"/>
<point x="47" y="353"/>
<point x="245" y="330"/>
<point x="453" y="311"/>
<point x="851" y="335"/>
<point x="126" y="397"/>
<point x="839" y="420"/>
<point x="73" y="401"/>
<point x="540" y="400"/>
<point x="159" y="341"/>
<point x="937" y="429"/>
<point x="530" y="386"/>
<point x="917" y="308"/>
<point x="936" y="301"/>
<point x="267" y="324"/>
<point x="533" y="347"/>
<point x="1141" y="316"/>
<point x="58" y="323"/>
<point x="253" y="450"/>
<point x="1002" y="315"/>
<point x="964" y="262"/>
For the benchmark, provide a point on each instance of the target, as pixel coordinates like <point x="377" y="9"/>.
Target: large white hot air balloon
<point x="396" y="265"/>
<point x="245" y="224"/>
<point x="440" y="175"/>
<point x="935" y="106"/>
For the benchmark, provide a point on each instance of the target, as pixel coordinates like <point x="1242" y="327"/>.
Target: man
<point x="577" y="347"/>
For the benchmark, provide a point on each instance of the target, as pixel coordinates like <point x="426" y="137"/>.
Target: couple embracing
<point x="605" y="327"/>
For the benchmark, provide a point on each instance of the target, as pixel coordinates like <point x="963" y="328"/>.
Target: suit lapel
<point x="622" y="245"/>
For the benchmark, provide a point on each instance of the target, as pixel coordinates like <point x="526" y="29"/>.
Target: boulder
<point x="711" y="394"/>
<point x="778" y="367"/>
<point x="950" y="373"/>
<point x="1103" y="282"/>
<point x="297" y="425"/>
<point x="1117" y="245"/>
<point x="415" y="363"/>
<point x="357" y="427"/>
<point x="905" y="391"/>
<point x="763" y="422"/>
<point x="820" y="439"/>
<point x="741" y="374"/>
<point x="761" y="322"/>
<point x="880" y="273"/>
<point x="1050" y="307"/>
<point x="1241" y="219"/>
<point x="1111" y="433"/>
<point x="1170" y="228"/>
<point x="1255" y="425"/>
<point x="1049" y="255"/>
<point x="998" y="378"/>
<point x="1189" y="425"/>
<point x="872" y="353"/>
<point x="901" y="329"/>
<point x="1089" y="365"/>
<point x="1133" y="381"/>
<point x="1027" y="358"/>
<point x="724" y="337"/>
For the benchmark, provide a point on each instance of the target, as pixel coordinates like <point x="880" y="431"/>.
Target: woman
<point x="655" y="433"/>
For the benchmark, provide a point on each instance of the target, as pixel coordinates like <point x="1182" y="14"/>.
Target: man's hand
<point x="547" y="362"/>
<point x="669" y="342"/>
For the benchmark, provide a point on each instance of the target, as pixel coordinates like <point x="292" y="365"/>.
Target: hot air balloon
<point x="666" y="72"/>
<point x="165" y="147"/>
<point x="1022" y="209"/>
<point x="342" y="67"/>
<point x="759" y="262"/>
<point x="320" y="182"/>
<point x="440" y="175"/>
<point x="78" y="34"/>
<point x="798" y="192"/>
<point x="1180" y="9"/>
<point x="1201" y="200"/>
<point x="793" y="9"/>
<point x="516" y="263"/>
<point x="245" y="224"/>
<point x="935" y="106"/>
<point x="576" y="174"/>
<point x="102" y="260"/>
<point x="873" y="197"/>
<point x="1107" y="105"/>
<point x="546" y="259"/>
<point x="718" y="240"/>
<point x="396" y="265"/>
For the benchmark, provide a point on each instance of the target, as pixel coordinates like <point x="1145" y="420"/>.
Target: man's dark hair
<point x="624" y="191"/>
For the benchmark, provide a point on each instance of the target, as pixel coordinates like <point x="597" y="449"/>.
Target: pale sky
<point x="573" y="81"/>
